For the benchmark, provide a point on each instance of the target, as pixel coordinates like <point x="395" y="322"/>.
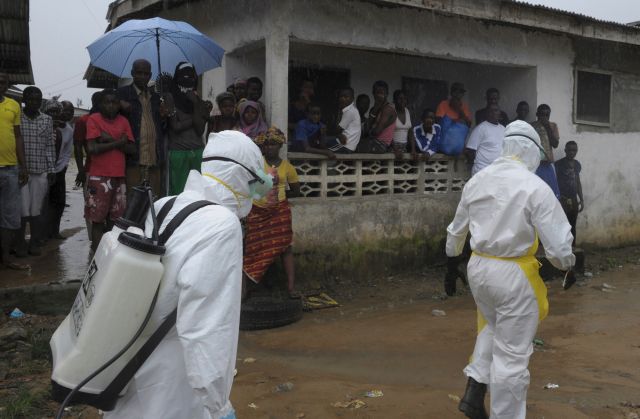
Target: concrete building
<point x="390" y="214"/>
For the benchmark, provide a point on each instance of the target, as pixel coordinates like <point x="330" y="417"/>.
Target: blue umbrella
<point x="164" y="43"/>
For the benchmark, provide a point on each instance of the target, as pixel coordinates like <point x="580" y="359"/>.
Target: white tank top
<point x="400" y="134"/>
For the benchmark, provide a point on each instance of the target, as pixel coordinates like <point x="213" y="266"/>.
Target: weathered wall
<point x="361" y="237"/>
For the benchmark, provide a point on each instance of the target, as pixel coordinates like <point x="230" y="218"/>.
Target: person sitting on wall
<point x="454" y="107"/>
<point x="493" y="98"/>
<point x="522" y="111"/>
<point x="426" y="135"/>
<point x="227" y="119"/>
<point x="403" y="141"/>
<point x="381" y="122"/>
<point x="549" y="138"/>
<point x="250" y="121"/>
<point x="348" y="125"/>
<point x="298" y="107"/>
<point x="310" y="133"/>
<point x="268" y="228"/>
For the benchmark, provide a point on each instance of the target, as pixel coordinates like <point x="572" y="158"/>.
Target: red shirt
<point x="112" y="162"/>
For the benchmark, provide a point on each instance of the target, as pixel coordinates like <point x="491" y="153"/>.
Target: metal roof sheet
<point x="15" y="54"/>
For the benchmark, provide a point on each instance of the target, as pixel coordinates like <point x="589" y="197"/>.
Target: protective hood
<point x="226" y="182"/>
<point x="522" y="143"/>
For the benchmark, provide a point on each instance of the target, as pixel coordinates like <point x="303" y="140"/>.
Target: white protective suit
<point x="190" y="373"/>
<point x="506" y="207"/>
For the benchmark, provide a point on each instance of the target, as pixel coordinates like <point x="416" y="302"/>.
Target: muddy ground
<point x="384" y="337"/>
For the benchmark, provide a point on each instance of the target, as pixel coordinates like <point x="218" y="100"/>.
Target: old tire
<point x="266" y="312"/>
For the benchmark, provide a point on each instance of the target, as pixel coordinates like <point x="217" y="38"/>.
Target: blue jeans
<point x="10" y="197"/>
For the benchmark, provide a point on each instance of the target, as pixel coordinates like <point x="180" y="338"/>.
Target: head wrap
<point x="272" y="135"/>
<point x="522" y="143"/>
<point x="256" y="128"/>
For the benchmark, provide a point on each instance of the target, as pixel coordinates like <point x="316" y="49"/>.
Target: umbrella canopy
<point x="164" y="43"/>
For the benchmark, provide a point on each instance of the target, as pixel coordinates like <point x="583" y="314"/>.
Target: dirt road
<point x="384" y="337"/>
<point x="388" y="342"/>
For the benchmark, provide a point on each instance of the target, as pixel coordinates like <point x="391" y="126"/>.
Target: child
<point x="309" y="136"/>
<point x="427" y="134"/>
<point x="109" y="138"/>
<point x="349" y="127"/>
<point x="250" y="121"/>
<point x="268" y="226"/>
<point x="568" y="172"/>
<point x="227" y="118"/>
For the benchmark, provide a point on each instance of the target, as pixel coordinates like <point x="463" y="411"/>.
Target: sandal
<point x="17" y="266"/>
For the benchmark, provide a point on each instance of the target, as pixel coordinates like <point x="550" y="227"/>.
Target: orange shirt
<point x="445" y="109"/>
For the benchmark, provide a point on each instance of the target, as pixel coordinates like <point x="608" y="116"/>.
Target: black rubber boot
<point x="450" y="284"/>
<point x="472" y="403"/>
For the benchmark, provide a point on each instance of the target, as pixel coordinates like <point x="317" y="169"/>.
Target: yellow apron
<point x="531" y="267"/>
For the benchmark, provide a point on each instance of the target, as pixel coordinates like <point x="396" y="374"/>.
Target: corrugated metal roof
<point x="15" y="54"/>
<point x="579" y="16"/>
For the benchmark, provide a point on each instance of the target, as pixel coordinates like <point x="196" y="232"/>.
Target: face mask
<point x="259" y="186"/>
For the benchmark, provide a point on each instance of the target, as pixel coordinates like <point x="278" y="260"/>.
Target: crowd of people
<point x="132" y="134"/>
<point x="387" y="127"/>
<point x="35" y="148"/>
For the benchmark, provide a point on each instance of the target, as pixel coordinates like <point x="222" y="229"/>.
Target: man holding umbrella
<point x="142" y="107"/>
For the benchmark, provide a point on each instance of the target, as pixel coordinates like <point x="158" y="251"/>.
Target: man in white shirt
<point x="349" y="126"/>
<point x="485" y="142"/>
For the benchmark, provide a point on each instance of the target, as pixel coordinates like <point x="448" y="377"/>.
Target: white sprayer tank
<point x="114" y="299"/>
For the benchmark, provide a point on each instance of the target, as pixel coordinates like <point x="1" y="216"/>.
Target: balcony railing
<point x="357" y="175"/>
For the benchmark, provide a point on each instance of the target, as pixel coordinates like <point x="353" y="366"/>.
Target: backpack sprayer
<point x="108" y="334"/>
<point x="111" y="310"/>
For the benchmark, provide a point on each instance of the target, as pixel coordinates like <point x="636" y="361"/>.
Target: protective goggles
<point x="543" y="154"/>
<point x="261" y="183"/>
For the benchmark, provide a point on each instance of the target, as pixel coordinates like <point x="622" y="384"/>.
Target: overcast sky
<point x="60" y="31"/>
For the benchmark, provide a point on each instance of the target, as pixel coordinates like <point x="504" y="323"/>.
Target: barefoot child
<point x="109" y="138"/>
<point x="268" y="227"/>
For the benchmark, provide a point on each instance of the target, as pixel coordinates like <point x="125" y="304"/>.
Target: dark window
<point x="593" y="98"/>
<point x="423" y="94"/>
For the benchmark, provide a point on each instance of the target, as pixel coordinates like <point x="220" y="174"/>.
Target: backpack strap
<point x="179" y="218"/>
<point x="126" y="374"/>
<point x="162" y="214"/>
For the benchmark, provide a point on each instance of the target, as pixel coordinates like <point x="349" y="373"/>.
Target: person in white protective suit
<point x="190" y="373"/>
<point x="506" y="208"/>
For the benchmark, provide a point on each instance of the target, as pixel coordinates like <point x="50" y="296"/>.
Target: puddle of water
<point x="61" y="261"/>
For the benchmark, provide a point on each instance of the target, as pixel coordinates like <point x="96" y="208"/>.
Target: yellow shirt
<point x="9" y="118"/>
<point x="286" y="175"/>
